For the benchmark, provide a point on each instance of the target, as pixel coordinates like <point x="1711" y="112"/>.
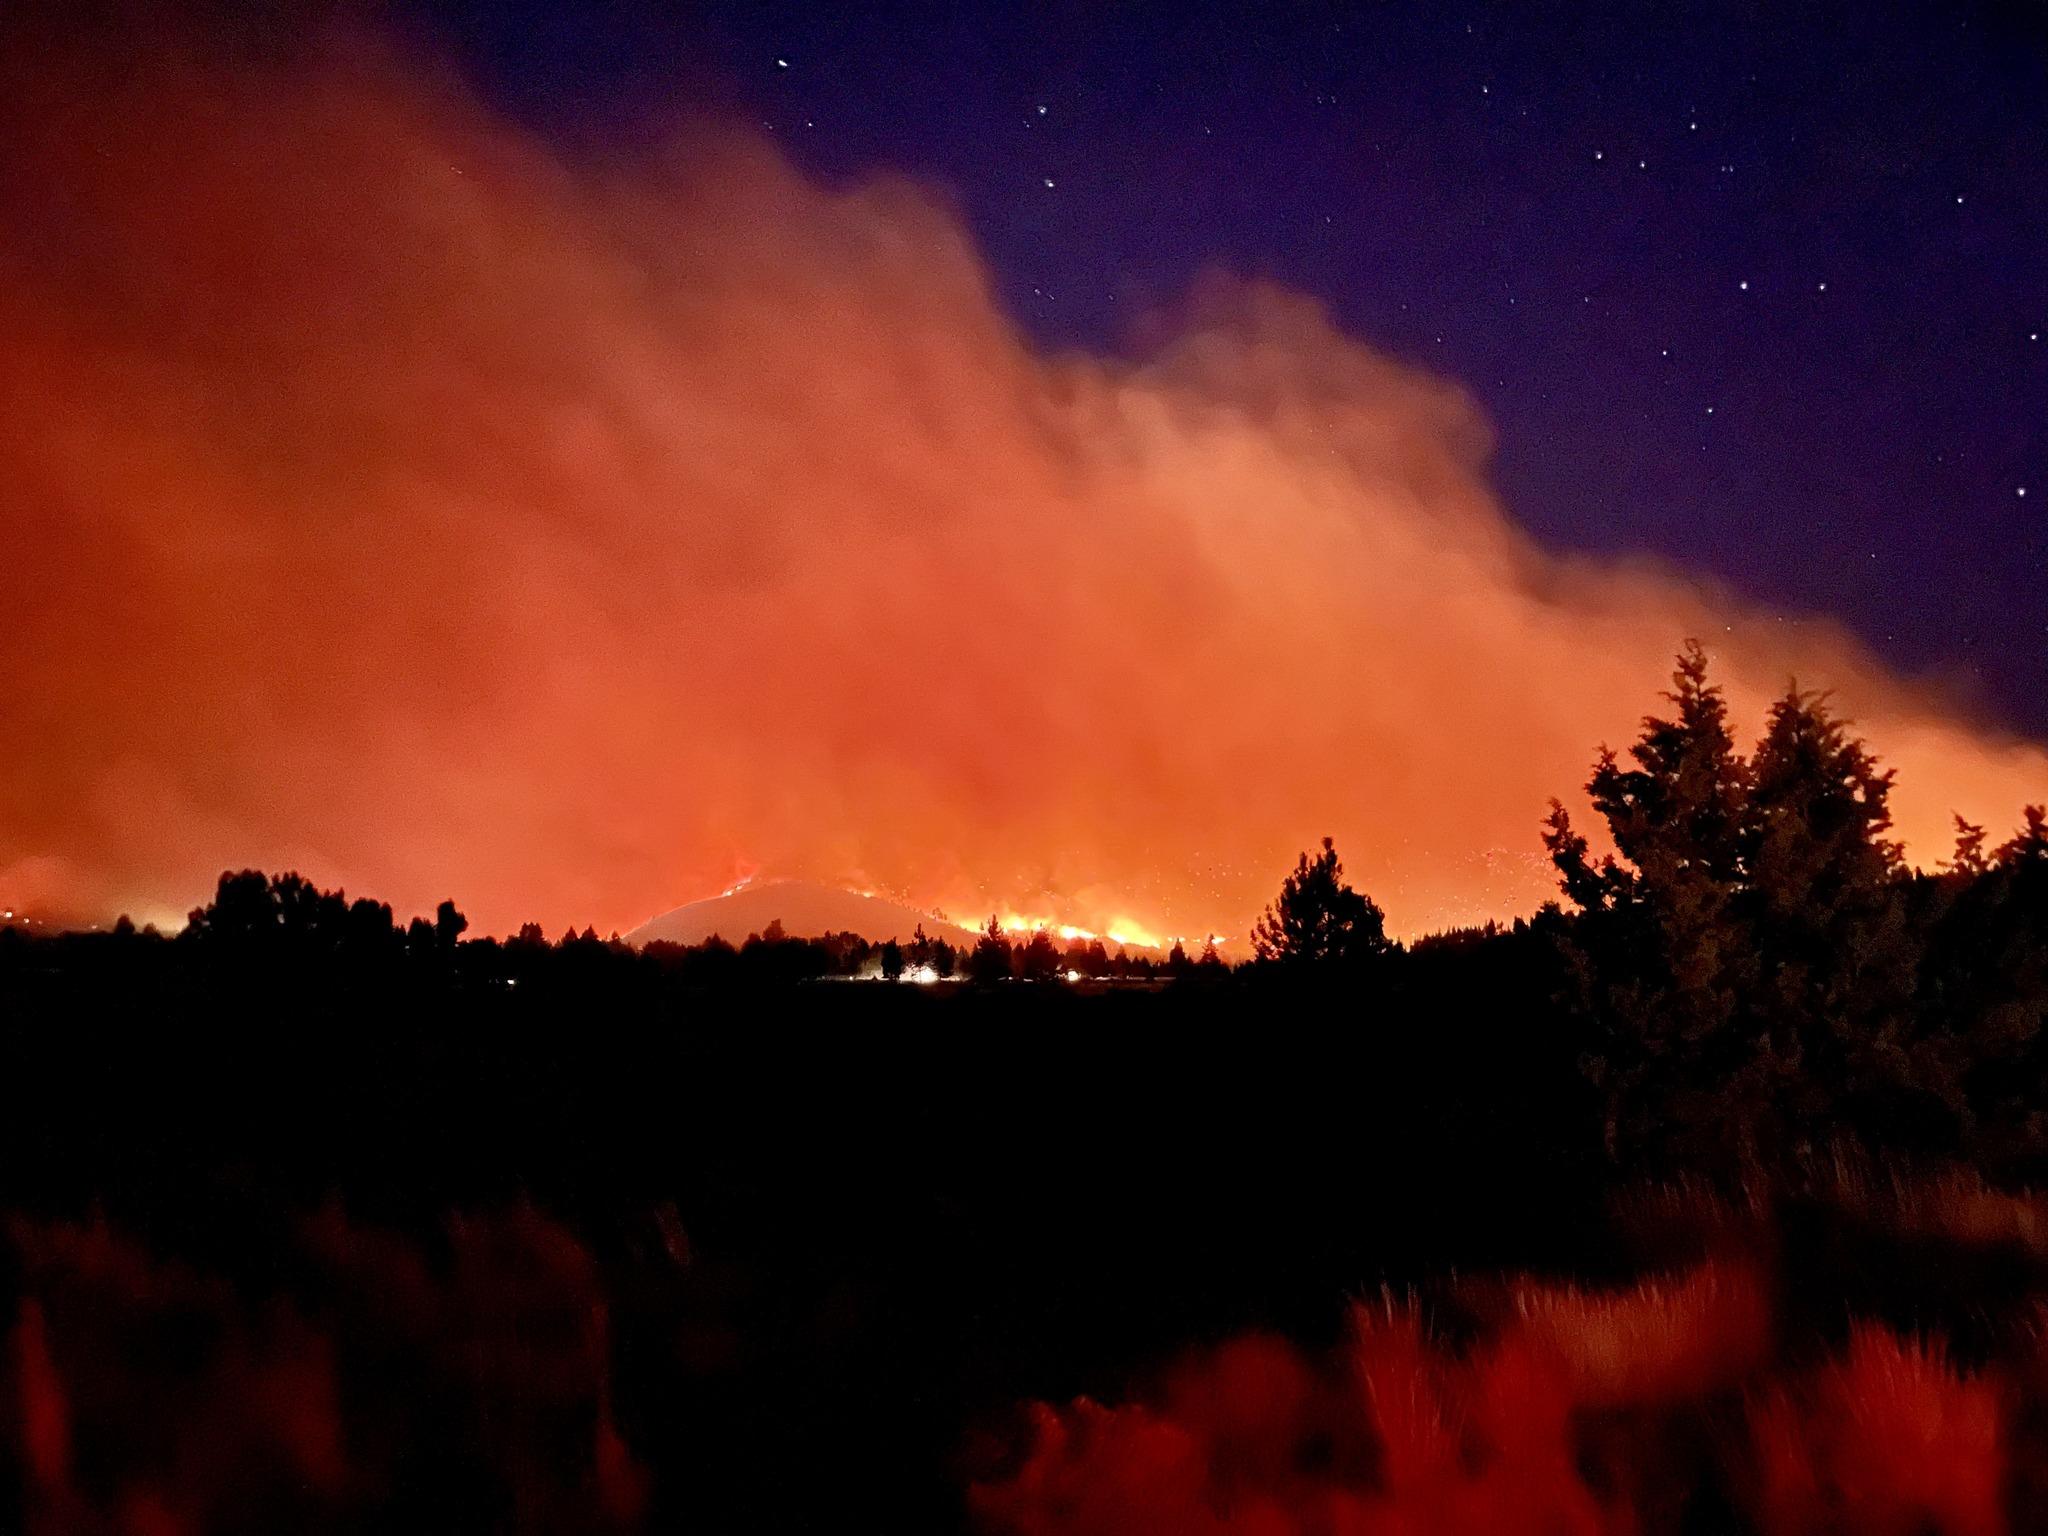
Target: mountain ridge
<point x="805" y="910"/>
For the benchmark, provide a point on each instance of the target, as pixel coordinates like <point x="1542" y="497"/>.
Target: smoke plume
<point x="396" y="496"/>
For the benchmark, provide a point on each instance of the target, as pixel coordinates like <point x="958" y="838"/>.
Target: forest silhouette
<point x="436" y="1231"/>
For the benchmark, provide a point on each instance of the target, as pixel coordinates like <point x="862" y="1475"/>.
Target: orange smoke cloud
<point x="396" y="498"/>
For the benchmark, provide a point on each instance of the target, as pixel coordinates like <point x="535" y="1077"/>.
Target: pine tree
<point x="1746" y="964"/>
<point x="990" y="959"/>
<point x="1839" y="958"/>
<point x="1968" y="861"/>
<point x="1657" y="963"/>
<point x="1039" y="959"/>
<point x="2029" y="847"/>
<point x="1318" y="919"/>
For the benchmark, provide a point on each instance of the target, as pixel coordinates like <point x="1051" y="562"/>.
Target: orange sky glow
<point x="391" y="498"/>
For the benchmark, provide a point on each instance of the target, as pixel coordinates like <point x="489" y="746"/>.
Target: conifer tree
<point x="1658" y="965"/>
<point x="1318" y="919"/>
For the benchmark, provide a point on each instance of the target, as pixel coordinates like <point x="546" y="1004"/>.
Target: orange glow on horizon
<point x="399" y="501"/>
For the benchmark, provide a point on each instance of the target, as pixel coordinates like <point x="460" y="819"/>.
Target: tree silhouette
<point x="1968" y="861"/>
<point x="1318" y="919"/>
<point x="892" y="960"/>
<point x="449" y="925"/>
<point x="2029" y="848"/>
<point x="990" y="960"/>
<point x="1830" y="930"/>
<point x="244" y="908"/>
<point x="1039" y="959"/>
<point x="1660" y="963"/>
<point x="1746" y="969"/>
<point x="1983" y="985"/>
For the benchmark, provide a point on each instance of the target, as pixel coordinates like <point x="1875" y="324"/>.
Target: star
<point x="1048" y="182"/>
<point x="784" y="64"/>
<point x="1743" y="285"/>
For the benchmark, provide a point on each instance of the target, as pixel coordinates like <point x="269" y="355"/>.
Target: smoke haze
<point x="392" y="496"/>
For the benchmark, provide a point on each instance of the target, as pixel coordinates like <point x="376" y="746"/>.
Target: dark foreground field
<point x="421" y="1251"/>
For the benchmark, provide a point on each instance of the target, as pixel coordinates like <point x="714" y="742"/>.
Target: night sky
<point x="1760" y="294"/>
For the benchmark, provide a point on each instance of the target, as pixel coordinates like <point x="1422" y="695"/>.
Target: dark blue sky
<point x="1760" y="290"/>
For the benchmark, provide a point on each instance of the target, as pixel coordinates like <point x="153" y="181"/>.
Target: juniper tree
<point x="1658" y="963"/>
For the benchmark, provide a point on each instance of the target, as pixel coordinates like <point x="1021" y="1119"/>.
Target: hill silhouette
<point x="805" y="911"/>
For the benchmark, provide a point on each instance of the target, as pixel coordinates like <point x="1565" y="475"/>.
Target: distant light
<point x="923" y="975"/>
<point x="782" y="63"/>
<point x="1048" y="181"/>
<point x="1073" y="975"/>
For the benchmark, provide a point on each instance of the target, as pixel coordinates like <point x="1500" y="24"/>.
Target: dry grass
<point x="1664" y="1339"/>
<point x="1889" y="1440"/>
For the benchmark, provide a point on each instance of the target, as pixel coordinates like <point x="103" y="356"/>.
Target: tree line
<point x="1754" y="976"/>
<point x="1751" y="975"/>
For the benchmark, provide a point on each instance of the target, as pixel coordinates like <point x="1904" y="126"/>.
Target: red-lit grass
<point x="298" y="1412"/>
<point x="1664" y="1339"/>
<point x="1581" y="1413"/>
<point x="1889" y="1440"/>
<point x="1397" y="1436"/>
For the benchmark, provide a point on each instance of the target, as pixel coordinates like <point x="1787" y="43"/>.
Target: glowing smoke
<point x="392" y="498"/>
